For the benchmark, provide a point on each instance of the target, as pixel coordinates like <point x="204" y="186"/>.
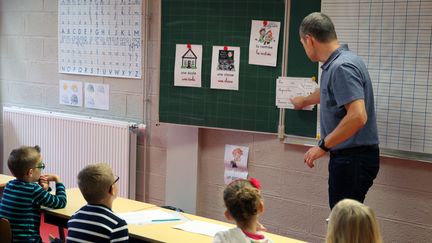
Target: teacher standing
<point x="347" y="113"/>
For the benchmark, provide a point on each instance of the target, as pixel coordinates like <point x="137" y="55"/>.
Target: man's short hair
<point x="319" y="26"/>
<point x="22" y="159"/>
<point x="94" y="181"/>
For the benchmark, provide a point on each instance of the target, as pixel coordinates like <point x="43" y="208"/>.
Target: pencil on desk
<point x="164" y="220"/>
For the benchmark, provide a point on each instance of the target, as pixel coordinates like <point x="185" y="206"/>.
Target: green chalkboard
<point x="300" y="122"/>
<point x="227" y="23"/>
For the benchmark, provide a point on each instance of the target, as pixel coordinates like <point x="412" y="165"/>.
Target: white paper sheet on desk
<point x="150" y="216"/>
<point x="201" y="227"/>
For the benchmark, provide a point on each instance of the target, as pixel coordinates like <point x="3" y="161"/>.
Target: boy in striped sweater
<point x="96" y="222"/>
<point x="24" y="196"/>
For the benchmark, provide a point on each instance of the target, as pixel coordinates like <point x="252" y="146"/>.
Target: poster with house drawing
<point x="235" y="162"/>
<point x="96" y="96"/>
<point x="187" y="70"/>
<point x="70" y="93"/>
<point x="225" y="68"/>
<point x="263" y="43"/>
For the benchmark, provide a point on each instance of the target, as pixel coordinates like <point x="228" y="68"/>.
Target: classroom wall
<point x="29" y="73"/>
<point x="295" y="196"/>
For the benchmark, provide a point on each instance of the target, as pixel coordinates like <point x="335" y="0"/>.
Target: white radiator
<point x="70" y="142"/>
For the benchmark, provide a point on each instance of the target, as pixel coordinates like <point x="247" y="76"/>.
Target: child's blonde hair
<point x="94" y="181"/>
<point x="242" y="200"/>
<point x="352" y="222"/>
<point x="22" y="159"/>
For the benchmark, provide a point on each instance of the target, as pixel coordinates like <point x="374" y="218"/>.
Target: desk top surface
<point x="75" y="201"/>
<point x="151" y="232"/>
<point x="165" y="232"/>
<point x="5" y="179"/>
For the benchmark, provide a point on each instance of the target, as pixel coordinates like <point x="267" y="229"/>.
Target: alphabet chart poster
<point x="100" y="37"/>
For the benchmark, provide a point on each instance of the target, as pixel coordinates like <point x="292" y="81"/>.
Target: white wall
<point x="182" y="168"/>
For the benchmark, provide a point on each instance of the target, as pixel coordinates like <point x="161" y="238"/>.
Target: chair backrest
<point x="5" y="231"/>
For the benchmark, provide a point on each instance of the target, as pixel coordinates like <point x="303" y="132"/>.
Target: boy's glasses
<point x="41" y="166"/>
<point x="118" y="178"/>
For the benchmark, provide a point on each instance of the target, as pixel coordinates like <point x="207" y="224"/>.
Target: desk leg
<point x="62" y="234"/>
<point x="61" y="223"/>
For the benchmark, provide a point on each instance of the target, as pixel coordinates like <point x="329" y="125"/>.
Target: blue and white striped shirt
<point x="97" y="223"/>
<point x="21" y="205"/>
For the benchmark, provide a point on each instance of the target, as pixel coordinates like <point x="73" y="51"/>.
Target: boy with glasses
<point x="24" y="196"/>
<point x="96" y="222"/>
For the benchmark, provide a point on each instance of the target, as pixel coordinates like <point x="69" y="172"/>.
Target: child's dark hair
<point x="242" y="200"/>
<point x="23" y="159"/>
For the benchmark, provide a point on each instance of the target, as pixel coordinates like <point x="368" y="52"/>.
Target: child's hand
<point x="53" y="177"/>
<point x="43" y="182"/>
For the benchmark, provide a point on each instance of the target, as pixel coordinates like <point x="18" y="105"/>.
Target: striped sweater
<point x="96" y="223"/>
<point x="21" y="205"/>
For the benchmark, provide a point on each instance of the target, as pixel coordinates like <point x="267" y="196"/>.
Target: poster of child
<point x="264" y="41"/>
<point x="235" y="161"/>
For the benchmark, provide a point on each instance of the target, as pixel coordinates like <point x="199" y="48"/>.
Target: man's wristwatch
<point x="321" y="144"/>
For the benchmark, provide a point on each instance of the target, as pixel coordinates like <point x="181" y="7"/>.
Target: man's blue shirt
<point x="344" y="79"/>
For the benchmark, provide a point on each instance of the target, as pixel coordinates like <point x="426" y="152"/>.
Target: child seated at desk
<point x="96" y="222"/>
<point x="244" y="203"/>
<point x="23" y="196"/>
<point x="352" y="222"/>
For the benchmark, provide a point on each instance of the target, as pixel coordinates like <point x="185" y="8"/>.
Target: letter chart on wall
<point x="100" y="37"/>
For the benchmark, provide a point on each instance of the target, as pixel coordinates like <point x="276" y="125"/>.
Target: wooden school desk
<point x="165" y="232"/>
<point x="4" y="179"/>
<point x="75" y="201"/>
<point x="138" y="233"/>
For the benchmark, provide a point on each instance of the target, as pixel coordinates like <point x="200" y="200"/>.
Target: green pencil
<point x="164" y="220"/>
